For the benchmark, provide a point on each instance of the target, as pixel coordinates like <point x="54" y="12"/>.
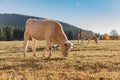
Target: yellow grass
<point x="85" y="62"/>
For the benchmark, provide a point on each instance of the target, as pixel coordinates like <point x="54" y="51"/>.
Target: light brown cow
<point x="84" y="34"/>
<point x="48" y="30"/>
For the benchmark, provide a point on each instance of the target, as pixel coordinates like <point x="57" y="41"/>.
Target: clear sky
<point x="100" y="16"/>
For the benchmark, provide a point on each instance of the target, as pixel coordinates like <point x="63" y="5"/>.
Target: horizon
<point x="99" y="16"/>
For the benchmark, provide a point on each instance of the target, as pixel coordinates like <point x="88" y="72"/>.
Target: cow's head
<point x="65" y="48"/>
<point x="96" y="39"/>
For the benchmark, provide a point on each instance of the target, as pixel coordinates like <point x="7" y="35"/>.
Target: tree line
<point x="8" y="33"/>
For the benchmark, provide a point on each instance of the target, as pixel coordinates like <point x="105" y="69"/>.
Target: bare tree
<point x="113" y="34"/>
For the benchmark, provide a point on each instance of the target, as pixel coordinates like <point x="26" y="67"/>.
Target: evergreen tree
<point x="9" y="32"/>
<point x="18" y="33"/>
<point x="1" y="33"/>
<point x="69" y="35"/>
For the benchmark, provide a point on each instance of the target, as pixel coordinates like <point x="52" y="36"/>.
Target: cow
<point x="84" y="34"/>
<point x="49" y="30"/>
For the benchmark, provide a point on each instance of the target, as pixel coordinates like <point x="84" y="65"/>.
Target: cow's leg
<point x="34" y="47"/>
<point x="78" y="40"/>
<point x="25" y="46"/>
<point x="25" y="43"/>
<point x="49" y="48"/>
<point x="88" y="41"/>
<point x="82" y="40"/>
<point x="45" y="51"/>
<point x="50" y="51"/>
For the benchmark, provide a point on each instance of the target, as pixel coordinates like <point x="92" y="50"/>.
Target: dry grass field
<point x="85" y="62"/>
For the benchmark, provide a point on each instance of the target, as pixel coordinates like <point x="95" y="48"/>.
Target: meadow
<point x="85" y="62"/>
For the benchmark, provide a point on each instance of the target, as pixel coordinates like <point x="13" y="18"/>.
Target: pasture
<point x="85" y="62"/>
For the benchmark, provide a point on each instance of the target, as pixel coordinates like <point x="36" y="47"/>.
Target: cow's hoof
<point x="48" y="57"/>
<point x="35" y="55"/>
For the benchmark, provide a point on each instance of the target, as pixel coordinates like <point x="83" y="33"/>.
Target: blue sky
<point x="100" y="16"/>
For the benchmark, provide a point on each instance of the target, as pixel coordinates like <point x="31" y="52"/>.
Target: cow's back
<point x="39" y="29"/>
<point x="87" y="34"/>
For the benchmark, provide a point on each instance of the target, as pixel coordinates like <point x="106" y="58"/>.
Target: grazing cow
<point x="84" y="34"/>
<point x="48" y="30"/>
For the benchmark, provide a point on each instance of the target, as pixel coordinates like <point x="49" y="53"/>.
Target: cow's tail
<point x="79" y="35"/>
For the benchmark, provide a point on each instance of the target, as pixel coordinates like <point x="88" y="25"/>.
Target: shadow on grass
<point x="55" y="59"/>
<point x="23" y="66"/>
<point x="33" y="63"/>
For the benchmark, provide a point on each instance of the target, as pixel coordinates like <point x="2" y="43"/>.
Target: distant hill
<point x="20" y="20"/>
<point x="14" y="19"/>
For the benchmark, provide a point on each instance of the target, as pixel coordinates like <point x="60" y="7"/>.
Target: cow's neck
<point x="94" y="37"/>
<point x="61" y="40"/>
